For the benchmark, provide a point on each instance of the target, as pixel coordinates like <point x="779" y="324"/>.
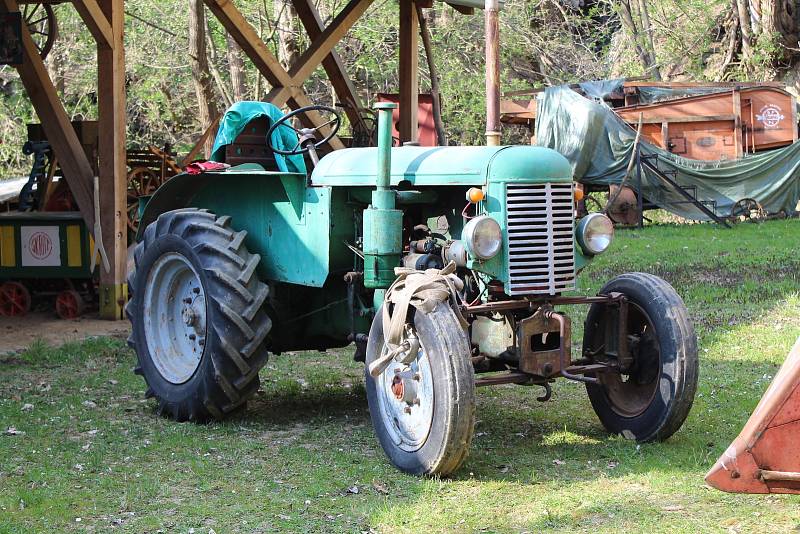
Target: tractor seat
<point x="250" y="146"/>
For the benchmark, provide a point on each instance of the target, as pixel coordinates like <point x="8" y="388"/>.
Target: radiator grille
<point x="541" y="259"/>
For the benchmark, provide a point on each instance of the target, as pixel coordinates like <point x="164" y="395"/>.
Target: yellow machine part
<point x="74" y="246"/>
<point x="7" y="247"/>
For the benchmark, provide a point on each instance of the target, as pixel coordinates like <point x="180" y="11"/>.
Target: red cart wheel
<point x="15" y="299"/>
<point x="69" y="304"/>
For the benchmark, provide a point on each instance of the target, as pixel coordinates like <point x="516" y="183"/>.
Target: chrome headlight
<point x="595" y="233"/>
<point x="482" y="237"/>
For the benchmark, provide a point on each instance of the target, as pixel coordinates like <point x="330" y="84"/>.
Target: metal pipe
<point x="534" y="304"/>
<point x="492" y="28"/>
<point x="382" y="180"/>
<point x="511" y="377"/>
<point x="782" y="476"/>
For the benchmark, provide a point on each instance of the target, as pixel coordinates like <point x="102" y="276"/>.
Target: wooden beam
<point x="198" y="146"/>
<point x="249" y="41"/>
<point x="113" y="169"/>
<point x="409" y="71"/>
<point x="320" y="47"/>
<point x="464" y="10"/>
<point x="95" y="20"/>
<point x="285" y="89"/>
<point x="628" y="117"/>
<point x="55" y="122"/>
<point x="333" y="65"/>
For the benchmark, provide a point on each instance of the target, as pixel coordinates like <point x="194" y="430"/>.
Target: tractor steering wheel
<point x="305" y="136"/>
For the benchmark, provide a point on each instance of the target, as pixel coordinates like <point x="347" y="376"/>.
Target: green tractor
<point x="443" y="266"/>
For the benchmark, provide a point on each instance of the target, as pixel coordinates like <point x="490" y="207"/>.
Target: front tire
<point x="651" y="400"/>
<point x="431" y="437"/>
<point x="197" y="315"/>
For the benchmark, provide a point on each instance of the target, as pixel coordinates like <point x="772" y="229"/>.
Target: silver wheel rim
<point x="408" y="421"/>
<point x="174" y="317"/>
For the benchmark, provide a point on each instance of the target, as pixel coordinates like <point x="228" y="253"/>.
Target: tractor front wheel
<point x="197" y="315"/>
<point x="423" y="412"/>
<point x="649" y="399"/>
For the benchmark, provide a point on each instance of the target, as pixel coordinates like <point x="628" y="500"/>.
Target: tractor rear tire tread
<point x="237" y="321"/>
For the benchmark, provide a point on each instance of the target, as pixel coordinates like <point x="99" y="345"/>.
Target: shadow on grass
<point x="331" y="405"/>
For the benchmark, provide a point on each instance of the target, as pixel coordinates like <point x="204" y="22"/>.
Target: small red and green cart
<point x="48" y="255"/>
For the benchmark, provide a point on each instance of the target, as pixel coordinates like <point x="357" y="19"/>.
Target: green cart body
<point x="45" y="254"/>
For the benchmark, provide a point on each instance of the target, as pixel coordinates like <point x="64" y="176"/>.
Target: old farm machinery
<point x="764" y="457"/>
<point x="445" y="267"/>
<point x="46" y="252"/>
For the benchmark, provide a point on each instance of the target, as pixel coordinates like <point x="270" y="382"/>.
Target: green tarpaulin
<point x="283" y="138"/>
<point x="599" y="145"/>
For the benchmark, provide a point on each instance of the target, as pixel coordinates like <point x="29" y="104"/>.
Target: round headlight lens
<point x="595" y="233"/>
<point x="483" y="237"/>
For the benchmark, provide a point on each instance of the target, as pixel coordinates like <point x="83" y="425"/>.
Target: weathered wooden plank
<point x="333" y="65"/>
<point x="113" y="169"/>
<point x="285" y="89"/>
<point x="409" y="71"/>
<point x="320" y="47"/>
<point x="249" y="41"/>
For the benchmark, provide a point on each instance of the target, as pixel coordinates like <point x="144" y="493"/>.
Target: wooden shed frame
<point x="105" y="21"/>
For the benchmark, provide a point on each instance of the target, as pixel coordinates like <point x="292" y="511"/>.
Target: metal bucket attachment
<point x="765" y="457"/>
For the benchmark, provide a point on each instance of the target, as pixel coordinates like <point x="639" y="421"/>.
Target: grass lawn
<point x="92" y="455"/>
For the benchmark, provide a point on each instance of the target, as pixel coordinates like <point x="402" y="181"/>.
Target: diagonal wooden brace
<point x="288" y="86"/>
<point x="55" y="122"/>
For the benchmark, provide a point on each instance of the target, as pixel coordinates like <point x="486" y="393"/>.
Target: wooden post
<point x="409" y="72"/>
<point x="55" y="122"/>
<point x="737" y="122"/>
<point x="113" y="175"/>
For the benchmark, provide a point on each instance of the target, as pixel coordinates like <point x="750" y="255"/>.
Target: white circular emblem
<point x="770" y="116"/>
<point x="40" y="245"/>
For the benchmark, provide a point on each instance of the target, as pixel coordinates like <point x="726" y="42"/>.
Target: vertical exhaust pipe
<point x="492" y="27"/>
<point x="383" y="224"/>
<point x="384" y="146"/>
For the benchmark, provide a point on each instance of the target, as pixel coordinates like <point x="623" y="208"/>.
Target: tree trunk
<point x="201" y="75"/>
<point x="285" y="17"/>
<point x="236" y="69"/>
<point x="648" y="39"/>
<point x="746" y="30"/>
<point x="778" y="20"/>
<point x="629" y="21"/>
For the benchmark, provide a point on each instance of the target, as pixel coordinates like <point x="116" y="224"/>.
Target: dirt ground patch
<point x="17" y="333"/>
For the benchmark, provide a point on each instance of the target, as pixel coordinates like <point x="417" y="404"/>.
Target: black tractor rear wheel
<point x="650" y="399"/>
<point x="197" y="311"/>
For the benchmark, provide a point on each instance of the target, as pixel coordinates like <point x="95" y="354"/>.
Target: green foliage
<point x="543" y="42"/>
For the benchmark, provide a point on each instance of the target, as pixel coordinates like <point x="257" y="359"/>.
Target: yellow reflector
<point x="578" y="194"/>
<point x="7" y="248"/>
<point x="475" y="195"/>
<point x="73" y="246"/>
